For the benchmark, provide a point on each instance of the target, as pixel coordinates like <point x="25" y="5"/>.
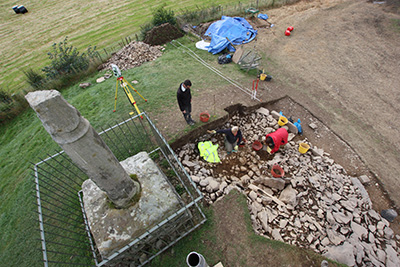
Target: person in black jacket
<point x="185" y="101"/>
<point x="233" y="137"/>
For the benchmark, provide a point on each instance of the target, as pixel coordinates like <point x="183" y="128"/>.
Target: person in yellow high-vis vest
<point x="208" y="151"/>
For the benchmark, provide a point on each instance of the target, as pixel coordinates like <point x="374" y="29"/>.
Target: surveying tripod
<point x="121" y="81"/>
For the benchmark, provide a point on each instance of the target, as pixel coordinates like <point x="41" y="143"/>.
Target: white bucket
<point x="195" y="259"/>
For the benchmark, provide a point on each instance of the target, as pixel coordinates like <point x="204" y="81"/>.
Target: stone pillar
<point x="83" y="145"/>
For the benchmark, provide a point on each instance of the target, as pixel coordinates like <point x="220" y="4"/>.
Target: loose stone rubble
<point x="316" y="205"/>
<point x="132" y="55"/>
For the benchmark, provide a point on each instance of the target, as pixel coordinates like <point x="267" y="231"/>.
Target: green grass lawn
<point x="26" y="38"/>
<point x="24" y="140"/>
<point x="25" y="41"/>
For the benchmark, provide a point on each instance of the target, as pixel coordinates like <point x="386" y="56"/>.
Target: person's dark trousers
<point x="187" y="115"/>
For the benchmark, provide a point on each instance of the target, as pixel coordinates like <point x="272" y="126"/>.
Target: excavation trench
<point x="317" y="204"/>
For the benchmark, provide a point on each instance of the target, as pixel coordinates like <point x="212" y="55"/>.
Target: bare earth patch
<point x="341" y="64"/>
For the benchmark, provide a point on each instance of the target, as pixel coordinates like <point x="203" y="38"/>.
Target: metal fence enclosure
<point x="64" y="231"/>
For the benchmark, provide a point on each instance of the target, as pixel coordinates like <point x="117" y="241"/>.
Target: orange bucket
<point x="277" y="171"/>
<point x="257" y="145"/>
<point x="204" y="116"/>
<point x="244" y="141"/>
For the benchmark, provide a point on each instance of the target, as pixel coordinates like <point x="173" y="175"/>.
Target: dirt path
<point x="341" y="66"/>
<point x="342" y="63"/>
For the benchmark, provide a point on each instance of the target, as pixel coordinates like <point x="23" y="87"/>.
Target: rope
<point x="216" y="71"/>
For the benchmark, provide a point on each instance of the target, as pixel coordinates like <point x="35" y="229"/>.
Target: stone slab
<point x="263" y="111"/>
<point x="113" y="228"/>
<point x="238" y="54"/>
<point x="363" y="191"/>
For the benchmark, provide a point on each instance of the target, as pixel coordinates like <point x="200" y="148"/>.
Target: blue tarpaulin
<point x="236" y="29"/>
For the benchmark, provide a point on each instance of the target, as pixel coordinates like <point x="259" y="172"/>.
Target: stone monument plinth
<point x="131" y="208"/>
<point x="113" y="228"/>
<point x="83" y="145"/>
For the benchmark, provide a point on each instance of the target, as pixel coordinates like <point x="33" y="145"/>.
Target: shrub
<point x="161" y="16"/>
<point x="11" y="105"/>
<point x="144" y="29"/>
<point x="5" y="98"/>
<point x="34" y="78"/>
<point x="67" y="60"/>
<point x="67" y="66"/>
<point x="202" y="14"/>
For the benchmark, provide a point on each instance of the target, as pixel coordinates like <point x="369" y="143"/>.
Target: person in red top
<point x="276" y="139"/>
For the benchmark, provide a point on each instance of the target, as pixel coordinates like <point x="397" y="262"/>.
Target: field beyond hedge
<point x="26" y="38"/>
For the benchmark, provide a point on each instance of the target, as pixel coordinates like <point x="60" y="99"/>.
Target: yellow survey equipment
<point x="121" y="81"/>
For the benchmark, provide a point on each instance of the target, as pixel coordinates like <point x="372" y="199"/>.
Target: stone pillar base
<point x="112" y="228"/>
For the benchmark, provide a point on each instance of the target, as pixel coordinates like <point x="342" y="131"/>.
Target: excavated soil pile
<point x="162" y="34"/>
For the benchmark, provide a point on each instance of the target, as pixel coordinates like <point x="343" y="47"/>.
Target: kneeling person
<point x="275" y="140"/>
<point x="233" y="137"/>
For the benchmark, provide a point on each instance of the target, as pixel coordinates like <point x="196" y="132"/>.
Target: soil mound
<point x="162" y="34"/>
